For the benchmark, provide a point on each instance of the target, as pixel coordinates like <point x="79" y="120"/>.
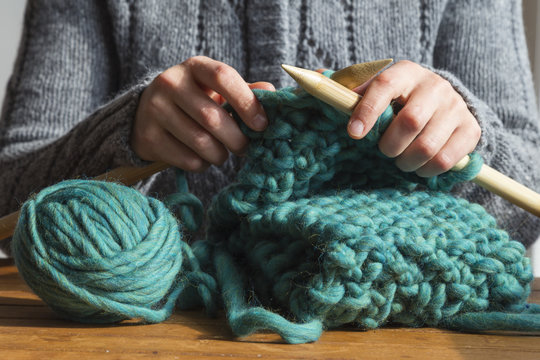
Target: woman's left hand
<point x="433" y="130"/>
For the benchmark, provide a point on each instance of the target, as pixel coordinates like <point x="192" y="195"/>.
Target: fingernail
<point x="259" y="122"/>
<point x="356" y="127"/>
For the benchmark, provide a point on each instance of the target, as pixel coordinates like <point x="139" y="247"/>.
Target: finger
<point x="361" y="89"/>
<point x="226" y="81"/>
<point x="190" y="133"/>
<point x="460" y="144"/>
<point x="220" y="100"/>
<point x="409" y="122"/>
<point x="430" y="141"/>
<point x="263" y="85"/>
<point x="210" y="116"/>
<point x="217" y="98"/>
<point x="390" y="84"/>
<point x="173" y="152"/>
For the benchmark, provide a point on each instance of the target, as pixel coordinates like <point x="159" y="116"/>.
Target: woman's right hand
<point x="180" y="120"/>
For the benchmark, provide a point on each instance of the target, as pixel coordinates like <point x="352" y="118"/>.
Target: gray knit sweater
<point x="83" y="64"/>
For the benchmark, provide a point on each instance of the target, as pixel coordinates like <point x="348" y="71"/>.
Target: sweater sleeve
<point x="481" y="50"/>
<point x="63" y="115"/>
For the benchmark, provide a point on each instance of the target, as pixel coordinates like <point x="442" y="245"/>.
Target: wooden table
<point x="30" y="330"/>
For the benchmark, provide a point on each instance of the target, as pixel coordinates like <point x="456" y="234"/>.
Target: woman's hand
<point x="433" y="130"/>
<point x="179" y="119"/>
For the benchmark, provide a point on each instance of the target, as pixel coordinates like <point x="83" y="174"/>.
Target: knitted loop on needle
<point x="318" y="230"/>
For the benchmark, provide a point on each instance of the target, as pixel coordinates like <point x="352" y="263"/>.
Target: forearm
<point x="95" y="145"/>
<point x="58" y="119"/>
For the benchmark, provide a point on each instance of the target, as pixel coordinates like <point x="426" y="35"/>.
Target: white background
<point x="11" y="16"/>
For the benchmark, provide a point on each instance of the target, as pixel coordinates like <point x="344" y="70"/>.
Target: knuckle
<point x="406" y="62"/>
<point x="145" y="143"/>
<point x="155" y="104"/>
<point x="146" y="135"/>
<point x="189" y="63"/>
<point x="455" y="103"/>
<point x="195" y="60"/>
<point x="146" y="139"/>
<point x="387" y="149"/>
<point x="442" y="162"/>
<point x="476" y="131"/>
<point x="455" y="100"/>
<point x="194" y="164"/>
<point x="223" y="74"/>
<point x="245" y="104"/>
<point x="400" y="164"/>
<point x="238" y="147"/>
<point x="410" y="119"/>
<point x="167" y="80"/>
<point x="199" y="58"/>
<point x="210" y="118"/>
<point x="201" y="141"/>
<point x="443" y="86"/>
<point x="384" y="80"/>
<point x="426" y="147"/>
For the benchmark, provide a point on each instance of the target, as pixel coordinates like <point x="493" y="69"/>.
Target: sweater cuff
<point x="122" y="110"/>
<point x="486" y="147"/>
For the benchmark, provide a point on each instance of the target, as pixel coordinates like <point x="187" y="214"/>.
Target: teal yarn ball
<point x="100" y="252"/>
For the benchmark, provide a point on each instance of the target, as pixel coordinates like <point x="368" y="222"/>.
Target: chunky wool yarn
<point x="101" y="252"/>
<point x="329" y="231"/>
<point x="318" y="231"/>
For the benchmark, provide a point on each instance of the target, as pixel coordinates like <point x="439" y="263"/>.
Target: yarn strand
<point x="476" y="322"/>
<point x="246" y="320"/>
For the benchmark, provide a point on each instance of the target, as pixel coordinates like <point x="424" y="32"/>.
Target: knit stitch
<point x="330" y="231"/>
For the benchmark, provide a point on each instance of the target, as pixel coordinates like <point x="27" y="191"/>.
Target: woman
<point x="99" y="85"/>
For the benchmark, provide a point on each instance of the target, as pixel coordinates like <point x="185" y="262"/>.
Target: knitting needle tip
<point x="323" y="88"/>
<point x="309" y="80"/>
<point x="295" y="72"/>
<point x="357" y="74"/>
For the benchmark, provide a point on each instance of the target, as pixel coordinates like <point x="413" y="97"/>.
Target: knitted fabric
<point x="327" y="229"/>
<point x="322" y="229"/>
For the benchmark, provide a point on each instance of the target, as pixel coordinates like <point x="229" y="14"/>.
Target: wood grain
<point x="357" y="74"/>
<point x="30" y="330"/>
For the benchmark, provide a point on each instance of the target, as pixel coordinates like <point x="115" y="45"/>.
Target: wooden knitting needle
<point x="357" y="74"/>
<point x="124" y="175"/>
<point x="346" y="100"/>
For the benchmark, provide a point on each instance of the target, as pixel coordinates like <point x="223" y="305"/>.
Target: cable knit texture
<point x="82" y="65"/>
